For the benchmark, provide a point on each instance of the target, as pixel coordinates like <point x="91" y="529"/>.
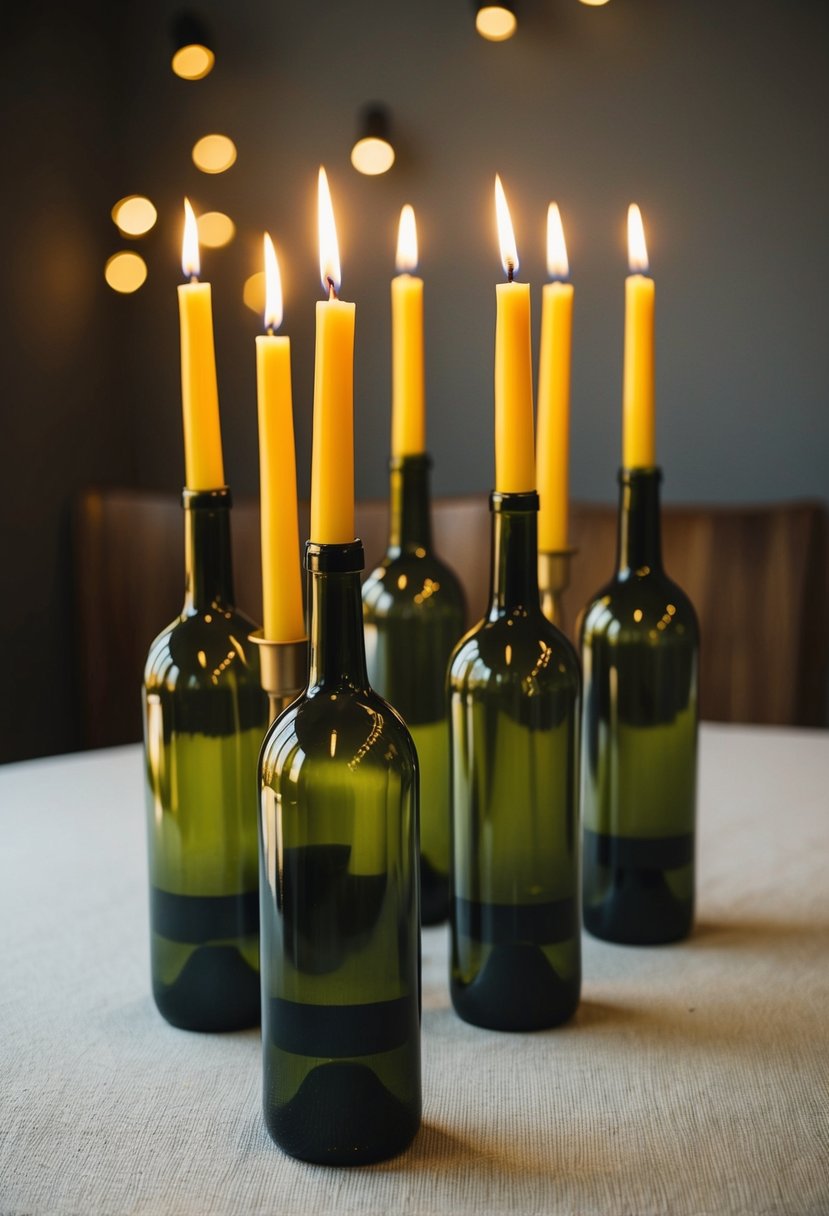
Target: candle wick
<point x="194" y="278"/>
<point x="269" y="331"/>
<point x="510" y="273"/>
<point x="332" y="291"/>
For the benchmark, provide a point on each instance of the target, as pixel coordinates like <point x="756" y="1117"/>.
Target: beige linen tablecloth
<point x="692" y="1080"/>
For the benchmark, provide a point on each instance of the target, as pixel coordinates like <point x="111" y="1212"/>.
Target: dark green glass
<point x="413" y="611"/>
<point x="640" y="643"/>
<point x="339" y="897"/>
<point x="204" y="718"/>
<point x="514" y="717"/>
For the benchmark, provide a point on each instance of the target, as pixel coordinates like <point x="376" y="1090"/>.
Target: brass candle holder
<point x="553" y="581"/>
<point x="283" y="668"/>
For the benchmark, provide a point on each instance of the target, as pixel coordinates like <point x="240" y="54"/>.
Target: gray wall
<point x="710" y="114"/>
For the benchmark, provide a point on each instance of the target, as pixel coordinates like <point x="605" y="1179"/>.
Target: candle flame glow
<point x="637" y="249"/>
<point x="558" y="266"/>
<point x="329" y="249"/>
<point x="407" y="241"/>
<point x="273" y="288"/>
<point x="506" y="236"/>
<point x="190" y="263"/>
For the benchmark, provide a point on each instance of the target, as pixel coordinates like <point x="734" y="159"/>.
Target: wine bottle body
<point x="339" y="892"/>
<point x="413" y="611"/>
<point x="514" y="691"/>
<point x="204" y="719"/>
<point x="640" y="648"/>
<point x="340" y="939"/>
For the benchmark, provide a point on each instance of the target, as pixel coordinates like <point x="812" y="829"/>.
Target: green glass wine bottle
<point x="413" y="610"/>
<point x="204" y="719"/>
<point x="639" y="640"/>
<point x="514" y="717"/>
<point x="339" y="897"/>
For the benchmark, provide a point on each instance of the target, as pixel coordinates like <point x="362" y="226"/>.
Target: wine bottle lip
<point x="627" y="476"/>
<point x="195" y="499"/>
<point x="414" y="460"/>
<point x="345" y="558"/>
<point x="525" y="501"/>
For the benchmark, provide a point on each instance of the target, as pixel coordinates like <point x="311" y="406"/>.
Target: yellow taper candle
<point x="553" y="446"/>
<point x="638" y="417"/>
<point x="514" y="457"/>
<point x="332" y="458"/>
<point x="281" y="578"/>
<point x="408" y="424"/>
<point x="204" y="467"/>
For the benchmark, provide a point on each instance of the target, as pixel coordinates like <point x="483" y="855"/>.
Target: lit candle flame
<point x="637" y="249"/>
<point x="407" y="241"/>
<point x="329" y="250"/>
<point x="558" y="266"/>
<point x="506" y="236"/>
<point x="273" y="288"/>
<point x="190" y="262"/>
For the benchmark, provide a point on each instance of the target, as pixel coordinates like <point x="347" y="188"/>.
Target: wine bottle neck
<point x="410" y="523"/>
<point x="208" y="567"/>
<point x="639" y="540"/>
<point x="337" y="644"/>
<point x="514" y="565"/>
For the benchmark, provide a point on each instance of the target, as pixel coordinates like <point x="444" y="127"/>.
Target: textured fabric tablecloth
<point x="694" y="1078"/>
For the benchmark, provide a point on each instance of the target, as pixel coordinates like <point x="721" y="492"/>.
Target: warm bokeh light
<point x="134" y="215"/>
<point x="407" y="241"/>
<point x="495" y="22"/>
<point x="193" y="62"/>
<point x="125" y="272"/>
<point x="637" y="249"/>
<point x="214" y="153"/>
<point x="329" y="248"/>
<point x="273" y="287"/>
<point x="253" y="293"/>
<point x="372" y="156"/>
<point x="506" y="236"/>
<point x="557" y="265"/>
<point x="594" y="3"/>
<point x="216" y="229"/>
<point x="190" y="260"/>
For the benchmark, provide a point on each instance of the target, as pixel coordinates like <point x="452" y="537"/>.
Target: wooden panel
<point x="759" y="578"/>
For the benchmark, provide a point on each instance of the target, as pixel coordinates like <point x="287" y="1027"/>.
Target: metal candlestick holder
<point x="553" y="581"/>
<point x="283" y="667"/>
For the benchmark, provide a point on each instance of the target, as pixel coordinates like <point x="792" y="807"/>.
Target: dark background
<point x="711" y="114"/>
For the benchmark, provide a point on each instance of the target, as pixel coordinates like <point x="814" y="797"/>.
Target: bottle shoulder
<point x="526" y="650"/>
<point x="355" y="727"/>
<point x="412" y="584"/>
<point x="203" y="649"/>
<point x="646" y="607"/>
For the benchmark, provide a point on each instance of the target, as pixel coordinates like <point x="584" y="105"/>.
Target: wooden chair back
<point x="759" y="578"/>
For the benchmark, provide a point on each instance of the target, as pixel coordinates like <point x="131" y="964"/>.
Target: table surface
<point x="693" y="1079"/>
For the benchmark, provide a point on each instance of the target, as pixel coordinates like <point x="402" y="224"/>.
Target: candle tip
<point x="558" y="266"/>
<point x="273" y="287"/>
<point x="406" y="259"/>
<point x="190" y="262"/>
<point x="328" y="245"/>
<point x="637" y="249"/>
<point x="506" y="235"/>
